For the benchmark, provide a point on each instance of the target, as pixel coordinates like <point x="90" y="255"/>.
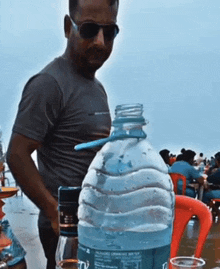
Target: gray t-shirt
<point x="61" y="109"/>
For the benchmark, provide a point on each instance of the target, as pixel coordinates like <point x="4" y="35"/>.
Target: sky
<point x="166" y="57"/>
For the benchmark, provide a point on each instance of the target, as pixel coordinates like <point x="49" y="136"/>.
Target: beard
<point x="95" y="57"/>
<point x="87" y="61"/>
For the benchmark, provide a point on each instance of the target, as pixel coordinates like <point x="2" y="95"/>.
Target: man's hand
<point x="53" y="215"/>
<point x="200" y="180"/>
<point x="55" y="225"/>
<point x="206" y="185"/>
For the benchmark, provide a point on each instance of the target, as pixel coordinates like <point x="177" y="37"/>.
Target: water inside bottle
<point x="126" y="203"/>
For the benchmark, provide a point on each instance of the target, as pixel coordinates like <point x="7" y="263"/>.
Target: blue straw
<point x="101" y="142"/>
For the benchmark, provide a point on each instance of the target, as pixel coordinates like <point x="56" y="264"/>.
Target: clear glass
<point x="186" y="263"/>
<point x="66" y="253"/>
<point x="68" y="264"/>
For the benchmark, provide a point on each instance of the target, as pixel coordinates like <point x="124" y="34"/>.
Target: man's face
<point x="90" y="54"/>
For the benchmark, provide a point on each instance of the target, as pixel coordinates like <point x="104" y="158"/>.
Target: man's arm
<point x="26" y="174"/>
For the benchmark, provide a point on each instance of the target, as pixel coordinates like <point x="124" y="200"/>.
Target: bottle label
<point x="67" y="215"/>
<point x="66" y="220"/>
<point x="155" y="258"/>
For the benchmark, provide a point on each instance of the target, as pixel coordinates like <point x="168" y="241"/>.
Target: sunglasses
<point x="89" y="30"/>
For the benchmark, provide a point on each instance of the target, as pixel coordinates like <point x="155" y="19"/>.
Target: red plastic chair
<point x="185" y="208"/>
<point x="175" y="178"/>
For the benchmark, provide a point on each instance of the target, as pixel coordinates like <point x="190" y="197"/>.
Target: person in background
<point x="214" y="177"/>
<point x="213" y="191"/>
<point x="165" y="155"/>
<point x="200" y="159"/>
<point x="212" y="167"/>
<point x="183" y="150"/>
<point x="61" y="106"/>
<point x="172" y="159"/>
<point x="185" y="167"/>
<point x="2" y="155"/>
<point x="180" y="156"/>
<point x="207" y="167"/>
<point x="200" y="163"/>
<point x="212" y="161"/>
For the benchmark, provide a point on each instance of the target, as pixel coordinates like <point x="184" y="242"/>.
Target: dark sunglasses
<point x="90" y="30"/>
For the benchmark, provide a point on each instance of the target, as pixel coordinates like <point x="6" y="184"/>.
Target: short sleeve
<point x="39" y="108"/>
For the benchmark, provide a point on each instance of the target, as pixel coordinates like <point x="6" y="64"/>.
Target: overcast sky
<point x="167" y="57"/>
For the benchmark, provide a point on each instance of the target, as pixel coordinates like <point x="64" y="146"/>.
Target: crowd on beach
<point x="201" y="170"/>
<point x="201" y="162"/>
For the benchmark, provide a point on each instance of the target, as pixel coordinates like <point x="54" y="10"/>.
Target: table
<point x="5" y="192"/>
<point x="200" y="187"/>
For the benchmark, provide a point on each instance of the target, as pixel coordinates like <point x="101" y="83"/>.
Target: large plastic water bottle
<point x="126" y="206"/>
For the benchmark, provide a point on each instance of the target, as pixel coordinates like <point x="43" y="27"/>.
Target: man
<point x="200" y="159"/>
<point x="213" y="165"/>
<point x="172" y="159"/>
<point x="185" y="167"/>
<point x="62" y="106"/>
<point x="213" y="191"/>
<point x="214" y="177"/>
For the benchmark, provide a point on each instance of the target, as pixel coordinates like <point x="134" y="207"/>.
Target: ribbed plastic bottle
<point x="126" y="206"/>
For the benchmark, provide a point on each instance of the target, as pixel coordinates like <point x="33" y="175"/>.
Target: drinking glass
<point x="187" y="263"/>
<point x="68" y="264"/>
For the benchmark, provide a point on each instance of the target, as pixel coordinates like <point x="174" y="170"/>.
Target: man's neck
<point x="79" y="69"/>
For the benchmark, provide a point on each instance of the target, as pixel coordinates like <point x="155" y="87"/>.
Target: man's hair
<point x="182" y="150"/>
<point x="217" y="156"/>
<point x="73" y="5"/>
<point x="164" y="152"/>
<point x="188" y="155"/>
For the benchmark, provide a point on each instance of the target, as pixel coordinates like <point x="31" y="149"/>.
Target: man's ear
<point x="67" y="26"/>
